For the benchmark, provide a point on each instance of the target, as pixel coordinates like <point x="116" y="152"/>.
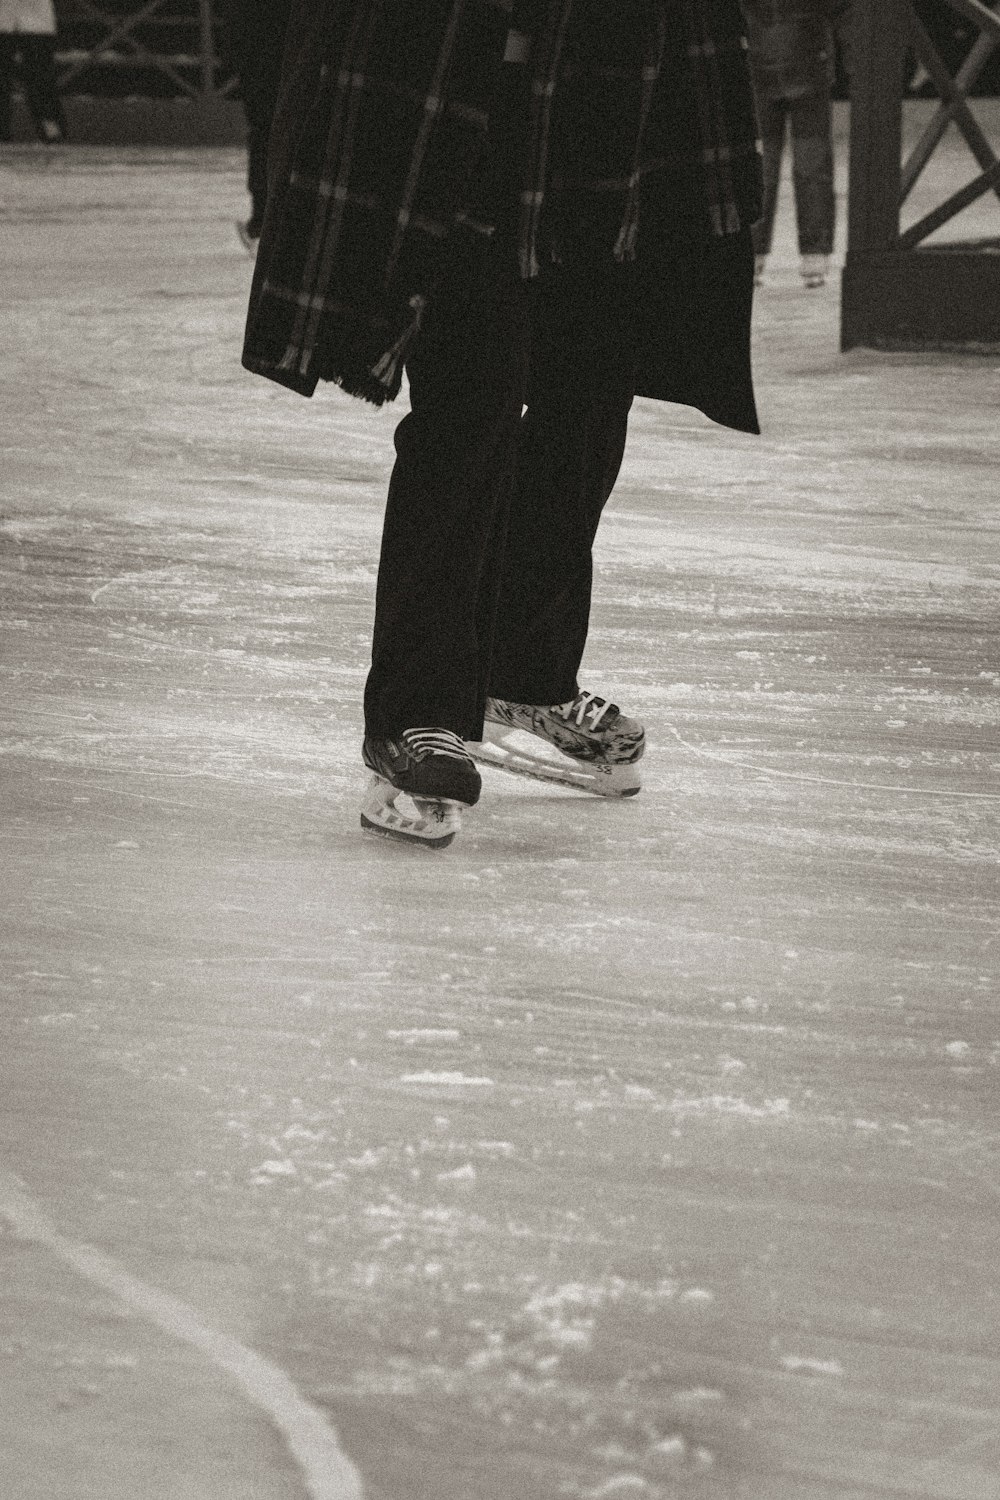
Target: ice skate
<point x="591" y="744"/>
<point x="421" y="782"/>
<point x="814" y="270"/>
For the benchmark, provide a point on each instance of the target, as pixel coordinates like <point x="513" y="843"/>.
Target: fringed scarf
<point x="384" y="120"/>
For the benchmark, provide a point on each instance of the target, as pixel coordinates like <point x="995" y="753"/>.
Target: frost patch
<point x="425" y="1034"/>
<point x="451" y="1079"/>
<point x="496" y="1148"/>
<point x="466" y="1174"/>
<point x="797" y="1364"/>
<point x="698" y="1394"/>
<point x="698" y="1294"/>
<point x="562" y="1320"/>
<point x="619" y="1487"/>
<point x="728" y="1104"/>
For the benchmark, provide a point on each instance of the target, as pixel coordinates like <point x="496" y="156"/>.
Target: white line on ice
<point x="326" y="1469"/>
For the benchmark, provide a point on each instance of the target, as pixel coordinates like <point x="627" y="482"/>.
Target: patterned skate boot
<point x="593" y="745"/>
<point x="422" y="781"/>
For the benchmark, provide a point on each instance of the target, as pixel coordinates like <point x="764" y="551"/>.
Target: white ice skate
<point x="590" y="744"/>
<point x="421" y="783"/>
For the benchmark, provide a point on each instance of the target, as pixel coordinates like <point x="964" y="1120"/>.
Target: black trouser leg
<point x="258" y="108"/>
<point x="570" y="449"/>
<point x="38" y="69"/>
<point x="446" y="516"/>
<point x="8" y="54"/>
<point x="812" y="146"/>
<point x="257" y="139"/>
<point x="772" y="115"/>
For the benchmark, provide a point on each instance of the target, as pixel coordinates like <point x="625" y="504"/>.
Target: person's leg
<point x="254" y="37"/>
<point x="773" y="121"/>
<point x="259" y="85"/>
<point x="38" y="69"/>
<point x="447" y="511"/>
<point x="258" y="135"/>
<point x="8" y="55"/>
<point x="812" y="144"/>
<point x="570" y="449"/>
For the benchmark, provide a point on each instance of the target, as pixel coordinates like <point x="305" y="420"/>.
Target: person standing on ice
<point x="793" y="57"/>
<point x="540" y="209"/>
<point x="254" y="39"/>
<point x="28" y="46"/>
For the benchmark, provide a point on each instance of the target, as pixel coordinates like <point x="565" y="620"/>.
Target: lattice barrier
<point x="900" y="288"/>
<point x="954" y="92"/>
<point x="160" y="49"/>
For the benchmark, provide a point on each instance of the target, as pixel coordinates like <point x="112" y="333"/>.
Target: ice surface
<point x="624" y="1149"/>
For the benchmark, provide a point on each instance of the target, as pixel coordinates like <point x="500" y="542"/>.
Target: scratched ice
<point x="621" y="1151"/>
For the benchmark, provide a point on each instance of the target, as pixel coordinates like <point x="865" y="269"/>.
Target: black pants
<point x="253" y="39"/>
<point x="32" y="55"/>
<point x="812" y="170"/>
<point x="258" y="118"/>
<point x="485" y="573"/>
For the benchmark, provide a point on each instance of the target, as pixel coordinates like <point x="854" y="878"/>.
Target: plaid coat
<point x="377" y="160"/>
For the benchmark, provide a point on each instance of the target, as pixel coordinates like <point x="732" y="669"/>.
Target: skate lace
<point x="586" y="705"/>
<point x="423" y="742"/>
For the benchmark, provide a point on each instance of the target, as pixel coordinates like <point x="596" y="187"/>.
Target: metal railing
<point x="169" y="46"/>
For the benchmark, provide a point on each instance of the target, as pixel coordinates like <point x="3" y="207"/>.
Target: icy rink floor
<point x="641" y="1151"/>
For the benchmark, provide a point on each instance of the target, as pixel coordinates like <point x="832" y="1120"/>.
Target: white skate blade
<point x="501" y="751"/>
<point x="432" y="821"/>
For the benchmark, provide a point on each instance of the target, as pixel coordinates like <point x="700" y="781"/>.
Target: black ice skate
<point x="596" y="748"/>
<point x="422" y="781"/>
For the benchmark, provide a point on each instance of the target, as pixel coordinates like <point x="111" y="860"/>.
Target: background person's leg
<point x="258" y="134"/>
<point x="812" y="145"/>
<point x="447" y="512"/>
<point x="38" y="69"/>
<point x="8" y="56"/>
<point x="773" y="122"/>
<point x="253" y="41"/>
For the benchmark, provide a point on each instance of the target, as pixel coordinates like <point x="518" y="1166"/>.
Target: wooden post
<point x="207" y="47"/>
<point x="878" y="50"/>
<point x="876" y="125"/>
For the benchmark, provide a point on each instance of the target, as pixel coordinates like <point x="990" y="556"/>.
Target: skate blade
<point x="586" y="776"/>
<point x="431" y="821"/>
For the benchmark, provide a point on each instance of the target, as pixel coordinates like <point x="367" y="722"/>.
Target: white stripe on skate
<point x="312" y="1441"/>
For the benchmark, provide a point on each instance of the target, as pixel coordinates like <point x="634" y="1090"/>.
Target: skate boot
<point x="814" y="270"/>
<point x="593" y="745"/>
<point x="422" y="781"/>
